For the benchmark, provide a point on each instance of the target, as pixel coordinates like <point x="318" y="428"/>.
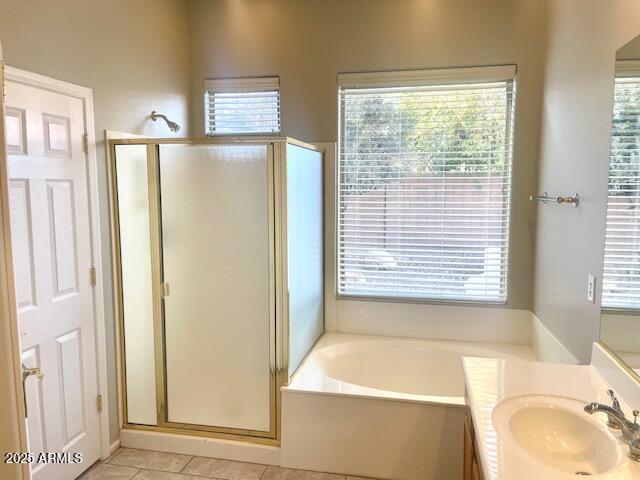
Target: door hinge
<point x="85" y="143"/>
<point x="92" y="276"/>
<point x="99" y="403"/>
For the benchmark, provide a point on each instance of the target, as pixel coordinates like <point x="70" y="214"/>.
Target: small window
<point x="242" y="106"/>
<point x="424" y="184"/>
<point x="621" y="278"/>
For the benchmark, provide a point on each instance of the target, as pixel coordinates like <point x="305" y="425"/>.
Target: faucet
<point x="630" y="430"/>
<point x="612" y="422"/>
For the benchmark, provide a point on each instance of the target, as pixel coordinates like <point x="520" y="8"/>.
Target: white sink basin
<point x="556" y="432"/>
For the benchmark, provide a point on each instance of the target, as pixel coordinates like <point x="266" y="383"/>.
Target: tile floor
<point x="131" y="464"/>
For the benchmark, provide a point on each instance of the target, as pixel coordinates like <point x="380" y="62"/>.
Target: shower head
<point x="173" y="126"/>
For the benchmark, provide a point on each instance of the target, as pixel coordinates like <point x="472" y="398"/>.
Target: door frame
<point x="84" y="94"/>
<point x="13" y="435"/>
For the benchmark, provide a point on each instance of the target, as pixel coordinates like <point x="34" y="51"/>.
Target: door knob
<point x="27" y="372"/>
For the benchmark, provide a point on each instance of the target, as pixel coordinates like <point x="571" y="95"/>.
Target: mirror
<point x="620" y="306"/>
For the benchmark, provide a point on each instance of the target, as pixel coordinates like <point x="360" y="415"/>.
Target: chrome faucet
<point x="630" y="430"/>
<point x="612" y="422"/>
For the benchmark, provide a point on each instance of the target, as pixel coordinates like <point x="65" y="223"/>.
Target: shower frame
<point x="279" y="371"/>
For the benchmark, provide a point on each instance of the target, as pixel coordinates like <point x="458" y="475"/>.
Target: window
<point x="242" y="106"/>
<point x="424" y="184"/>
<point x="621" y="278"/>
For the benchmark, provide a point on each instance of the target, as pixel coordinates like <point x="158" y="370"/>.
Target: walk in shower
<point x="218" y="249"/>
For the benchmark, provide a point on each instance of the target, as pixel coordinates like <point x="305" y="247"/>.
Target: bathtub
<point x="381" y="407"/>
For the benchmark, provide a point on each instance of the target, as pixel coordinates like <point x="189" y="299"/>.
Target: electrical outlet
<point x="591" y="288"/>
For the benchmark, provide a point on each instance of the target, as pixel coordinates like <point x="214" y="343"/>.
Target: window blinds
<point x="424" y="184"/>
<point x="621" y="279"/>
<point x="242" y="106"/>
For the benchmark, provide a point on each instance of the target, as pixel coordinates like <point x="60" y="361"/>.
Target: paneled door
<point x="50" y="221"/>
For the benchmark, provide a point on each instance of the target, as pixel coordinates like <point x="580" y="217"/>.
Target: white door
<point x="49" y="205"/>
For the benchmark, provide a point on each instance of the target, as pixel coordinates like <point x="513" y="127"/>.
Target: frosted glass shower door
<point x="216" y="211"/>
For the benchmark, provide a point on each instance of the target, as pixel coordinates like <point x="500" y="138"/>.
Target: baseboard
<point x="200" y="446"/>
<point x="114" y="446"/>
<point x="546" y="346"/>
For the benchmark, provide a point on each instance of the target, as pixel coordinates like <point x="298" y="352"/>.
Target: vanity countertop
<point x="490" y="382"/>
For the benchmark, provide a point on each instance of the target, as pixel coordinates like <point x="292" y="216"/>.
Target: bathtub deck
<point x="310" y="377"/>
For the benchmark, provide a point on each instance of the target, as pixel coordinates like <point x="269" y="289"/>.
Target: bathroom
<point x="427" y="266"/>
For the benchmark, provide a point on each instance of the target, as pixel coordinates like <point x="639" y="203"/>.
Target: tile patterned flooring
<point x="131" y="464"/>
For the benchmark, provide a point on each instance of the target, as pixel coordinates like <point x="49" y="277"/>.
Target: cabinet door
<point x="472" y="469"/>
<point x="468" y="448"/>
<point x="476" y="475"/>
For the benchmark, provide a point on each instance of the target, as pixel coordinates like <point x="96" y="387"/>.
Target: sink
<point x="556" y="432"/>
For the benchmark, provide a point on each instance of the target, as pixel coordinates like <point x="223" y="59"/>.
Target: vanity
<point x="527" y="421"/>
<point x="550" y="421"/>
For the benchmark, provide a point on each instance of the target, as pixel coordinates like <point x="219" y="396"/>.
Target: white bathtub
<point x="381" y="407"/>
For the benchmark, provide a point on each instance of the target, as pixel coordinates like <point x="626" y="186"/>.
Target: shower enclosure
<point x="218" y="266"/>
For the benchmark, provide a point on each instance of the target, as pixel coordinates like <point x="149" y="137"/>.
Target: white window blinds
<point x="424" y="184"/>
<point x="621" y="279"/>
<point x="242" y="106"/>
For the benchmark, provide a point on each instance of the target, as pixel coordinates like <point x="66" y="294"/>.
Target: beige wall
<point x="582" y="37"/>
<point x="135" y="57"/>
<point x="308" y="42"/>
